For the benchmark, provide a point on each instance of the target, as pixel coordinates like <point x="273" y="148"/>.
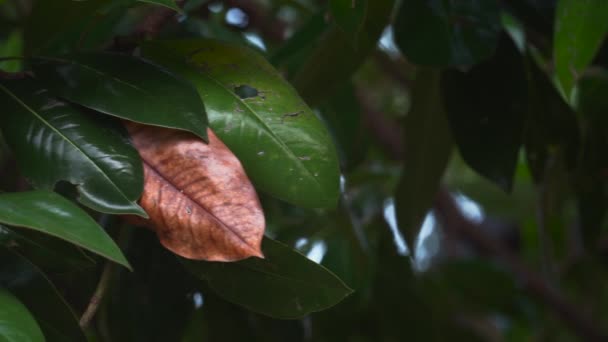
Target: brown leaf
<point x="200" y="202"/>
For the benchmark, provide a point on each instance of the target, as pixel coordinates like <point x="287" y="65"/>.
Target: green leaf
<point x="551" y="128"/>
<point x="283" y="285"/>
<point x="54" y="141"/>
<point x="16" y="322"/>
<point x="126" y="87"/>
<point x="428" y="146"/>
<point x="349" y="16"/>
<point x="344" y="120"/>
<point x="334" y="58"/>
<point x="50" y="253"/>
<point x="486" y="109"/>
<point x="283" y="146"/>
<point x="59" y="26"/>
<point x="592" y="185"/>
<point x="52" y="214"/>
<point x="580" y="29"/>
<point x="167" y="3"/>
<point x="57" y="320"/>
<point x="12" y="47"/>
<point x="447" y="33"/>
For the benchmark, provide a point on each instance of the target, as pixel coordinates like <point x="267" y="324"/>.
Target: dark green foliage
<point x="448" y="181"/>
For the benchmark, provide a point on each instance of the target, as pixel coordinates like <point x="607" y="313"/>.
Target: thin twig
<point x="107" y="274"/>
<point x="98" y="295"/>
<point x="456" y="223"/>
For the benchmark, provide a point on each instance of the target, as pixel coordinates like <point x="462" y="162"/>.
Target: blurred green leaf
<point x="473" y="286"/>
<point x="58" y="26"/>
<point x="349" y="16"/>
<point x="292" y="53"/>
<point x="551" y="124"/>
<point x="334" y="59"/>
<point x="126" y="87"/>
<point x="167" y="3"/>
<point x="154" y="302"/>
<point x="486" y="108"/>
<point x="447" y="33"/>
<point x="283" y="146"/>
<point x="54" y="141"/>
<point x="591" y="182"/>
<point x="428" y="146"/>
<point x="342" y="115"/>
<point x="580" y="29"/>
<point x="283" y="285"/>
<point x="12" y="47"/>
<point x="16" y="323"/>
<point x="30" y="285"/>
<point x="52" y="214"/>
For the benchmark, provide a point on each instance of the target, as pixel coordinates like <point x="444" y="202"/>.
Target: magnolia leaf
<point x="200" y="202"/>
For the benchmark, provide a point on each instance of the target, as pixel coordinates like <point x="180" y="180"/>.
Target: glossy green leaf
<point x="283" y="285"/>
<point x="334" y="59"/>
<point x="283" y="146"/>
<point x="447" y="33"/>
<point x="52" y="214"/>
<point x="126" y="87"/>
<point x="486" y="109"/>
<point x="54" y="141"/>
<point x="57" y="320"/>
<point x="16" y="322"/>
<point x="167" y="3"/>
<point x="349" y="16"/>
<point x="428" y="146"/>
<point x="580" y="29"/>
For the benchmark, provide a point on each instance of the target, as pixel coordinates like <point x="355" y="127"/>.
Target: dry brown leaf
<point x="200" y="202"/>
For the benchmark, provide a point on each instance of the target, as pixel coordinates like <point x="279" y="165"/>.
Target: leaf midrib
<point x="290" y="279"/>
<point x="46" y="123"/>
<point x="205" y="209"/>
<point x="100" y="72"/>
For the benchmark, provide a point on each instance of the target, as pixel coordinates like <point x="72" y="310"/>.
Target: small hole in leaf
<point x="245" y="91"/>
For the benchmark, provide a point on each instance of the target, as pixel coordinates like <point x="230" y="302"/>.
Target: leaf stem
<point x="95" y="300"/>
<point x="109" y="269"/>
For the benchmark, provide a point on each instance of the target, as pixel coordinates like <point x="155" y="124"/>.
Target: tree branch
<point x="454" y="222"/>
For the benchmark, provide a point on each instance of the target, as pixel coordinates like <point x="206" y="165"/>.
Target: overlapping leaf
<point x="281" y="143"/>
<point x="486" y="116"/>
<point x="447" y="33"/>
<point x="284" y="285"/>
<point x="125" y="87"/>
<point x="580" y="29"/>
<point x="54" y="141"/>
<point x="334" y="58"/>
<point x="52" y="214"/>
<point x="199" y="198"/>
<point x="57" y="320"/>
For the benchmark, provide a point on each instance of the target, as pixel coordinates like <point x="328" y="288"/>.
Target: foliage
<point x="328" y="170"/>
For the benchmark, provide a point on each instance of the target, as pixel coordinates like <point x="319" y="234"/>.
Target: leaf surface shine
<point x="55" y="141"/>
<point x="200" y="202"/>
